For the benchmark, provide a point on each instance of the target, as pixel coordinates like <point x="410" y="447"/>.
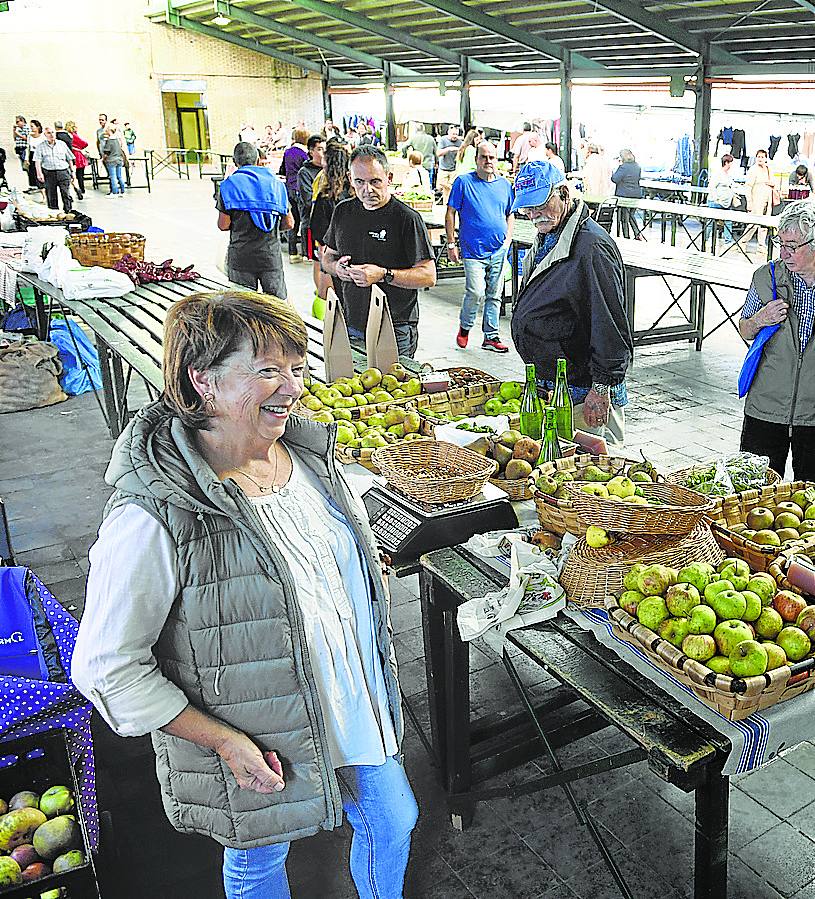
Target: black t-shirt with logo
<point x="393" y="236"/>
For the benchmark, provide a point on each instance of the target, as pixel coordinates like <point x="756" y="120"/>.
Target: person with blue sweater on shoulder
<point x="252" y="202"/>
<point x="626" y="180"/>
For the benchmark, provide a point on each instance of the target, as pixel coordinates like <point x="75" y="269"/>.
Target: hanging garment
<point x="683" y="163"/>
<point x="775" y="140"/>
<point x="738" y="147"/>
<point x="792" y="148"/>
<point x="808" y="145"/>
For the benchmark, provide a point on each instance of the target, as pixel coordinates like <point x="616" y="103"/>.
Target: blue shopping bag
<point x="751" y="361"/>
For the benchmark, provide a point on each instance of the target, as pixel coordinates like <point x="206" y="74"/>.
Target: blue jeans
<point x="117" y="184"/>
<point x="728" y="226"/>
<point x="131" y="148"/>
<point x="380" y="807"/>
<point x="482" y="280"/>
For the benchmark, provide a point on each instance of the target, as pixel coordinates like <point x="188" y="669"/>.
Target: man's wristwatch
<point x="388" y="276"/>
<point x="601" y="389"/>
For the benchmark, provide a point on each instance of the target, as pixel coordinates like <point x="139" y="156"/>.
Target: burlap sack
<point x="29" y="376"/>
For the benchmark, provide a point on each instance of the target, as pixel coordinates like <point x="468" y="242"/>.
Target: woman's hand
<point x="253" y="769"/>
<point x="773" y="313"/>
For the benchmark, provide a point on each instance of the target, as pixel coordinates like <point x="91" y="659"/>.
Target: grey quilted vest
<point x="783" y="389"/>
<point x="233" y="641"/>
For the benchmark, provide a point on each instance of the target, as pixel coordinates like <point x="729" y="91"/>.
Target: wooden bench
<point x="598" y="690"/>
<point x="129" y="332"/>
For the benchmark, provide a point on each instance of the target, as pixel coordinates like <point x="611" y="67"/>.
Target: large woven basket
<point x="734" y="511"/>
<point x="735" y="698"/>
<point x="106" y="250"/>
<point x="680" y="512"/>
<point x="362" y="455"/>
<point x="433" y="471"/>
<point x="560" y="515"/>
<point x="590" y="574"/>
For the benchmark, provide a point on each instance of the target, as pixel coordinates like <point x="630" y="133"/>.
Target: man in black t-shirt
<point x="376" y="239"/>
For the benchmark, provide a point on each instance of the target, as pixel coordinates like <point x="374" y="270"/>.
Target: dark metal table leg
<point x="432" y="634"/>
<point x="111" y="419"/>
<point x="458" y="770"/>
<point x="712" y="812"/>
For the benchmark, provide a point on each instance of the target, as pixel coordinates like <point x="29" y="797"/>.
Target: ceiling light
<point x="220" y="21"/>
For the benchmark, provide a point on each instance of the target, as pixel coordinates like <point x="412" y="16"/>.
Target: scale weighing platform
<point x="406" y="528"/>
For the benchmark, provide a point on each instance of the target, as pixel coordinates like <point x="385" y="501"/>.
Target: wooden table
<point x="129" y="333"/>
<point x="702" y="273"/>
<point x="598" y="690"/>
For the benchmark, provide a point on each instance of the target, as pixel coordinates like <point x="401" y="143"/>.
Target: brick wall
<point x="73" y="60"/>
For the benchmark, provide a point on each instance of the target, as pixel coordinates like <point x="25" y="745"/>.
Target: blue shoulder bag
<point x="753" y="358"/>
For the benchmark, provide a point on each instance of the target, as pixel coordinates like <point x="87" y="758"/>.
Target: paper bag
<point x="336" y="345"/>
<point x="380" y="339"/>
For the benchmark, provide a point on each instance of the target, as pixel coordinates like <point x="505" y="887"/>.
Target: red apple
<point x="25" y="855"/>
<point x="789" y="605"/>
<point x="36" y="871"/>
<point x="806" y="619"/>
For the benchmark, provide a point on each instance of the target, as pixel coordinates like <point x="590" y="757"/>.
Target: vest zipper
<point x="297" y="623"/>
<point x="795" y="338"/>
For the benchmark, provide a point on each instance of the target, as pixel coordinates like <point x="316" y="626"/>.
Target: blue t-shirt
<point x="483" y="207"/>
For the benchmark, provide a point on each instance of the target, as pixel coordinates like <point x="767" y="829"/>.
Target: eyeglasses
<point x="789" y="247"/>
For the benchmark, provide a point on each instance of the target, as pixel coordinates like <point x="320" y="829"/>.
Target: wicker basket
<point x="432" y="471"/>
<point x="734" y="511"/>
<point x="591" y="574"/>
<point x="560" y="515"/>
<point x="464" y="376"/>
<point x="735" y="698"/>
<point x="106" y="249"/>
<point x="361" y="455"/>
<point x="517" y="489"/>
<point x="680" y="513"/>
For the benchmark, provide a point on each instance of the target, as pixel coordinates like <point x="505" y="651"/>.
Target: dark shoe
<point x="462" y="337"/>
<point x="494" y="345"/>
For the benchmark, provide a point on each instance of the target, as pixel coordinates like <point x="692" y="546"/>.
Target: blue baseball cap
<point x="534" y="184"/>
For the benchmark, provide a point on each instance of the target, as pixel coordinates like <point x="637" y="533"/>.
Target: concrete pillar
<point x="390" y="114"/>
<point x="701" y="120"/>
<point x="465" y="113"/>
<point x="566" y="114"/>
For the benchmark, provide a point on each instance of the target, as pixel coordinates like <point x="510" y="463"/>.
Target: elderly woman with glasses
<point x="237" y="610"/>
<point x="779" y="411"/>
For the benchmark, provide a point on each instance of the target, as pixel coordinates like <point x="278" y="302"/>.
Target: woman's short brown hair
<point x="415" y="158"/>
<point x="300" y="135"/>
<point x="204" y="329"/>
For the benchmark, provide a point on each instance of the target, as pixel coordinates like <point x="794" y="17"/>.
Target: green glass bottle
<point x="562" y="401"/>
<point x="531" y="411"/>
<point x="550" y="445"/>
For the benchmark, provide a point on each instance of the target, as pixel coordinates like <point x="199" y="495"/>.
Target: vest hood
<point x="156" y="458"/>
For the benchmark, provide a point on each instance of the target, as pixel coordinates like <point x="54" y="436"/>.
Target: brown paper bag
<point x="380" y="339"/>
<point x="336" y="345"/>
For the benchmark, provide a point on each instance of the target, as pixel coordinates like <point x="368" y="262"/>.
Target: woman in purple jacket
<point x="293" y="159"/>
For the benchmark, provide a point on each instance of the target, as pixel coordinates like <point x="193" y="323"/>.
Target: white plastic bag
<point x="35" y="240"/>
<point x="452" y="433"/>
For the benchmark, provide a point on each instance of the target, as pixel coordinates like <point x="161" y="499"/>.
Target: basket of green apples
<point x="729" y="634"/>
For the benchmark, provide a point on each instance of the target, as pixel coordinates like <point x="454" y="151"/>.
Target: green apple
<point x="754" y="605"/>
<point x="674" y="630"/>
<point x="809" y="515"/>
<point x="699" y="647"/>
<point x="748" y="659"/>
<point x="702" y="619"/>
<point x="629" y="600"/>
<point x="652" y="611"/>
<point x="697" y="573"/>
<point x="681" y="598"/>
<point x="716" y="587"/>
<point x="769" y="623"/>
<point x="795" y="643"/>
<point x="728" y="604"/>
<point x="630" y="579"/>
<point x="719" y="664"/>
<point x="764" y="585"/>
<point x="737" y="571"/>
<point x="729" y="634"/>
<point x="776" y="657"/>
<point x="654" y="580"/>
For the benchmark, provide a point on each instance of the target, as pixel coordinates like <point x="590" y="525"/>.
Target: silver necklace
<point x="271" y="488"/>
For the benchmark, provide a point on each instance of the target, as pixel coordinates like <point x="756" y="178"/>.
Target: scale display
<point x="406" y="528"/>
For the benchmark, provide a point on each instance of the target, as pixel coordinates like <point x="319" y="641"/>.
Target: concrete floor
<point x="683" y="408"/>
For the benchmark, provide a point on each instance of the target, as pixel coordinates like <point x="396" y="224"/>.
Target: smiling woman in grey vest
<point x="236" y="609"/>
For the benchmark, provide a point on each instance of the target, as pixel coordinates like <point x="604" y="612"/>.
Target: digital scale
<point x="405" y="528"/>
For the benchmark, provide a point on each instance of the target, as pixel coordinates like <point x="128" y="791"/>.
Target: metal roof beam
<point x="237" y="14"/>
<point x="173" y="18"/>
<point x="535" y="42"/>
<point x="340" y="14"/>
<point x="661" y="26"/>
<point x="808" y="5"/>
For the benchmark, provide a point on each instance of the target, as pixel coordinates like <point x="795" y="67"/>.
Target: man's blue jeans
<point x="728" y="226"/>
<point x="117" y="184"/>
<point x="482" y="280"/>
<point x="381" y="809"/>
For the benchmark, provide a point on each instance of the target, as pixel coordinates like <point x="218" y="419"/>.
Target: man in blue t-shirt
<point x="483" y="201"/>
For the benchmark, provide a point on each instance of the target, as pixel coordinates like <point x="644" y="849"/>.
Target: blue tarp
<point x="75" y="378"/>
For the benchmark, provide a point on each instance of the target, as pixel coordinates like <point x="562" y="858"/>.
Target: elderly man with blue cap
<point x="571" y="302"/>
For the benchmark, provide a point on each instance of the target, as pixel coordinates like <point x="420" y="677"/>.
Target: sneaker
<point x="462" y="337"/>
<point x="295" y="258"/>
<point x="494" y="345"/>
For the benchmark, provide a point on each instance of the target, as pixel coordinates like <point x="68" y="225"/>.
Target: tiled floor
<point x="683" y="408"/>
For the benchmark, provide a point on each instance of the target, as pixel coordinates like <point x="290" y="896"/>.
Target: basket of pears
<point x="516" y="457"/>
<point x="553" y="500"/>
<point x="730" y="634"/>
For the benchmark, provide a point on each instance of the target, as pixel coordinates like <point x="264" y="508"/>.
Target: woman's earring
<point x="209" y="403"/>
